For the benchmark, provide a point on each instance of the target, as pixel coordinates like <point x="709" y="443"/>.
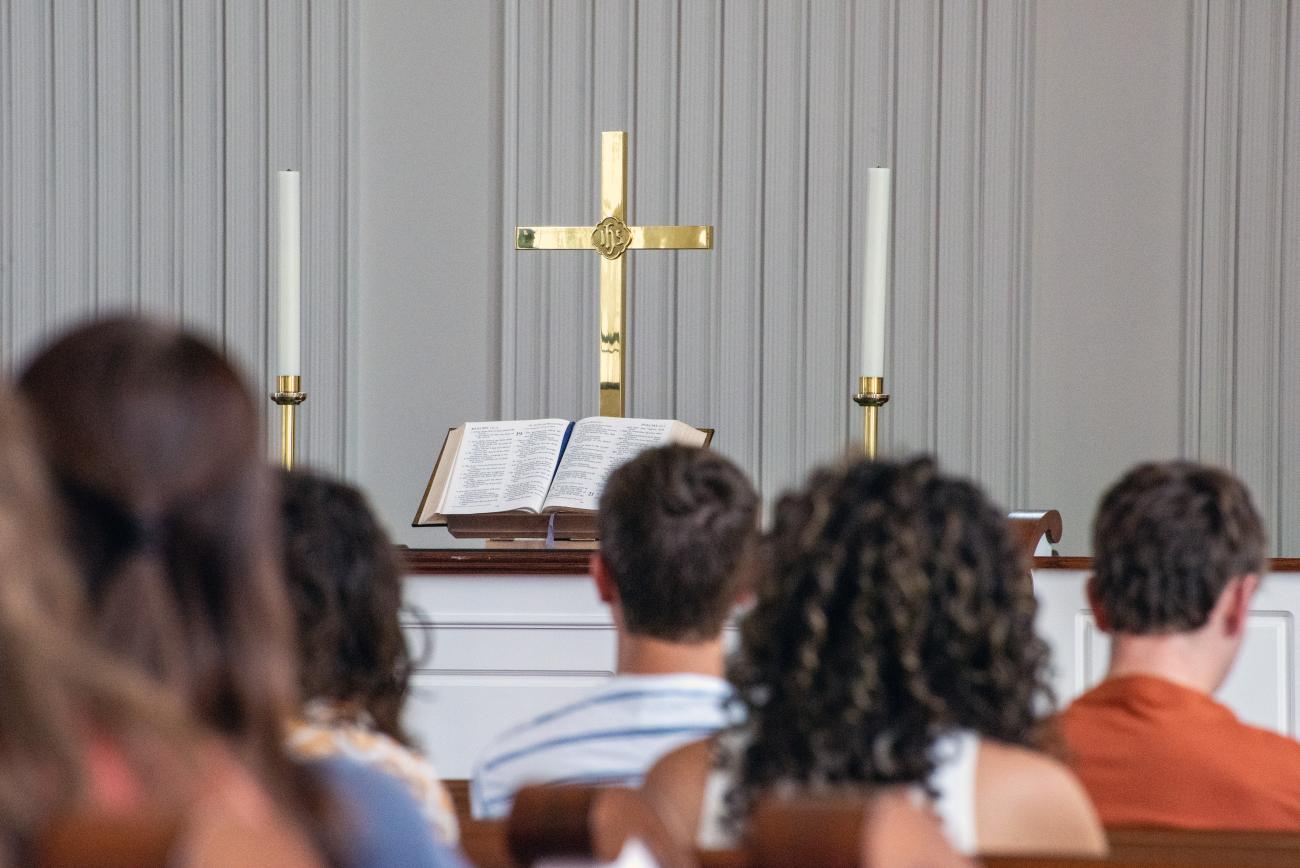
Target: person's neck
<point x="1183" y="658"/>
<point x="646" y="655"/>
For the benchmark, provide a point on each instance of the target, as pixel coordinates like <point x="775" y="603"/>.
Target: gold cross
<point x="611" y="238"/>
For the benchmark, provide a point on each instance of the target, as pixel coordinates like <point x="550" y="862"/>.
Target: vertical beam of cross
<point x="613" y="273"/>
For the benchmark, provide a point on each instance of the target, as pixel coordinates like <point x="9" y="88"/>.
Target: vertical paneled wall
<point x="762" y="119"/>
<point x="1094" y="229"/>
<point x="1243" y="351"/>
<point x="138" y="145"/>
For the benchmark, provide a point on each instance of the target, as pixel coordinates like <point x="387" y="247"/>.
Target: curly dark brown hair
<point x="1168" y="538"/>
<point x="346" y="588"/>
<point x="893" y="607"/>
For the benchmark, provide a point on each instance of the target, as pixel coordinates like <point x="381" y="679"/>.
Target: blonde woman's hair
<point x="55" y="689"/>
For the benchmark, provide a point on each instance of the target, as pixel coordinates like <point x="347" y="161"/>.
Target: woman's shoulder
<point x="675" y="788"/>
<point x="1026" y="800"/>
<point x="1013" y="768"/>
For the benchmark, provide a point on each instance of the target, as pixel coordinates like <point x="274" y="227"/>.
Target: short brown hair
<point x="1168" y="538"/>
<point x="675" y="524"/>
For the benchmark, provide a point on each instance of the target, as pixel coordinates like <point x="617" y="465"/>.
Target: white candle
<point x="290" y="274"/>
<point x="875" y="274"/>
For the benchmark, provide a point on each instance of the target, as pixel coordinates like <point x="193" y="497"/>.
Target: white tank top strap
<point x="713" y="833"/>
<point x="955" y="756"/>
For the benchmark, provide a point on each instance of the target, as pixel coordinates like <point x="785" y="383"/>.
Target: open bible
<point x="537" y="467"/>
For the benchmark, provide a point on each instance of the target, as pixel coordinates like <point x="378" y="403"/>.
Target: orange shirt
<point x="1151" y="752"/>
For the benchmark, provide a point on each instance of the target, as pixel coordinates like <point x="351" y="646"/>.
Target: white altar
<point x="507" y="647"/>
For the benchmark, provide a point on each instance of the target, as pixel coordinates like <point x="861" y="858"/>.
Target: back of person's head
<point x="154" y="445"/>
<point x="892" y="607"/>
<point x="347" y="591"/>
<point x="675" y="525"/>
<point x="1167" y="540"/>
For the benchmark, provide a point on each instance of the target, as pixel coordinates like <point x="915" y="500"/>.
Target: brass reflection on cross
<point x="611" y="238"/>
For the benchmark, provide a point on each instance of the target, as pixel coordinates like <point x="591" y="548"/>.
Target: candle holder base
<point x="871" y="396"/>
<point x="288" y="395"/>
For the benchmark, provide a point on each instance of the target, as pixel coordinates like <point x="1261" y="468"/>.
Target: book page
<point x="504" y="466"/>
<point x="597" y="446"/>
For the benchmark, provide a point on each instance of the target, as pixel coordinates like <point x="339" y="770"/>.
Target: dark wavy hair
<point x="892" y="607"/>
<point x="347" y="591"/>
<point x="155" y="445"/>
<point x="1167" y="539"/>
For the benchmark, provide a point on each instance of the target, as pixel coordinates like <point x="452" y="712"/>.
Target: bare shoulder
<point x="1028" y="801"/>
<point x="674" y="788"/>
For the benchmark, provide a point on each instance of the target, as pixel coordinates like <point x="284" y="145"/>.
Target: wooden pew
<point x="551" y="823"/>
<point x="103" y="841"/>
<point x="588" y="823"/>
<point x="1204" y="847"/>
<point x="826" y="832"/>
<point x="485" y="844"/>
<point x="484" y="841"/>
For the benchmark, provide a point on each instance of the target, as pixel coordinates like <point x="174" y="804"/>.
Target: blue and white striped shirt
<point x="612" y="737"/>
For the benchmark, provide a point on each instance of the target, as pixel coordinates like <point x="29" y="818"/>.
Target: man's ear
<point x="1242" y="592"/>
<point x="1094" y="603"/>
<point x="605" y="586"/>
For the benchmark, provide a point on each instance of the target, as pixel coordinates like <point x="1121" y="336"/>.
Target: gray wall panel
<point x="326" y="162"/>
<point x="1091" y="242"/>
<point x="1287" y="528"/>
<point x="201" y="169"/>
<point x="910" y="374"/>
<point x="1217" y="265"/>
<point x="1106" y="251"/>
<point x="1093" y="218"/>
<point x="72" y="187"/>
<point x="958" y="373"/>
<point x="431" y="239"/>
<point x="998" y="244"/>
<point x="117" y="120"/>
<point x="698" y="309"/>
<point x="571" y="284"/>
<point x="827" y="240"/>
<point x="6" y="191"/>
<point x="783" y="247"/>
<point x="738" y="237"/>
<point x="158" y="164"/>
<point x="248" y="188"/>
<point x="138" y="140"/>
<point x="30" y="132"/>
<point x="1258" y="276"/>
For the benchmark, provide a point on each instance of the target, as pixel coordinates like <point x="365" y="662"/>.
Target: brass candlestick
<point x="871" y="397"/>
<point x="288" y="394"/>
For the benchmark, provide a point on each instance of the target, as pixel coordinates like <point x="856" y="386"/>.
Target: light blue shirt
<point x="612" y="737"/>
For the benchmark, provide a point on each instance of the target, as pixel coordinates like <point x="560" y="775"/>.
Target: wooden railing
<point x="1028" y="526"/>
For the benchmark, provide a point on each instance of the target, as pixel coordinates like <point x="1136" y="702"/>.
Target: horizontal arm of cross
<point x="643" y="238"/>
